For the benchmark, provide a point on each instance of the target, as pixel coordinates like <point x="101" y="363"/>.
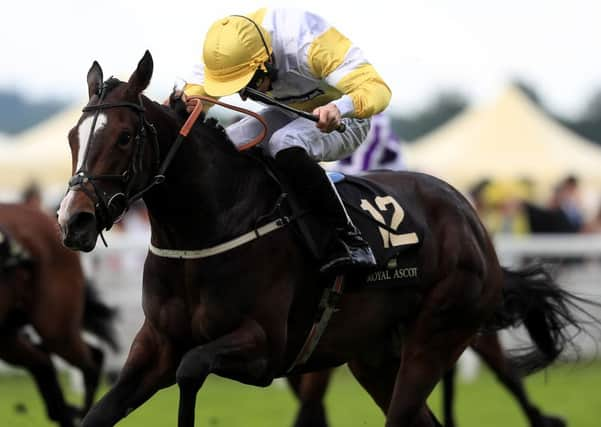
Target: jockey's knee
<point x="281" y="140"/>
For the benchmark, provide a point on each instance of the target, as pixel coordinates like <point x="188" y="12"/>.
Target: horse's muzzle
<point x="80" y="232"/>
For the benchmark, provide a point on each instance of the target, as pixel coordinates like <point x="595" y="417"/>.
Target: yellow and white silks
<point x="316" y="65"/>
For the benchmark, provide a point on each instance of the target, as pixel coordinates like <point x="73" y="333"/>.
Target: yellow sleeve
<point x="368" y="91"/>
<point x="191" y="89"/>
<point x="333" y="58"/>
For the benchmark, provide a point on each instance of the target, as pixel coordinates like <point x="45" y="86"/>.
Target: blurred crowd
<point x="505" y="206"/>
<point x="510" y="207"/>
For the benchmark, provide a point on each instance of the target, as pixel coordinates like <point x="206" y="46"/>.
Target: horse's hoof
<point x="550" y="421"/>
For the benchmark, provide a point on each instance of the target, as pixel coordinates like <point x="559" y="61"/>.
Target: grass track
<point x="572" y="391"/>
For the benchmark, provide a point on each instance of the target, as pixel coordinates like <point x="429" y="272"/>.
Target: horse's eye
<point x="124" y="139"/>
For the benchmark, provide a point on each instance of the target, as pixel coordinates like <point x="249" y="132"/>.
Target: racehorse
<point x="225" y="292"/>
<point x="310" y="389"/>
<point x="42" y="285"/>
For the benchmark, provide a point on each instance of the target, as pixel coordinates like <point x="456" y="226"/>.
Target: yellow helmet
<point x="235" y="48"/>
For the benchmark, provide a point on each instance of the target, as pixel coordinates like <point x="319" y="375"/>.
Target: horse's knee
<point x="193" y="368"/>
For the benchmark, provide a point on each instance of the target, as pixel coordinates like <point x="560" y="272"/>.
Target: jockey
<point x="300" y="60"/>
<point x="381" y="150"/>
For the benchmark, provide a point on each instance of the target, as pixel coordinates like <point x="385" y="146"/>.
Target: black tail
<point x="98" y="317"/>
<point x="533" y="299"/>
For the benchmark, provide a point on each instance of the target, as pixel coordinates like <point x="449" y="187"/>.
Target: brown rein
<point x="198" y="109"/>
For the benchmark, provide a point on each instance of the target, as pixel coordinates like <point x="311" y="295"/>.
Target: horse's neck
<point x="211" y="192"/>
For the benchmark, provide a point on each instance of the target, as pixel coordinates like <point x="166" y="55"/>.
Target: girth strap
<point x="222" y="247"/>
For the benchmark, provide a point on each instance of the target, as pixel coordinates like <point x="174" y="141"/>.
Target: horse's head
<point x="114" y="152"/>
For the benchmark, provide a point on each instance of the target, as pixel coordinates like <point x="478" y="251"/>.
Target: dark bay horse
<point x="310" y="389"/>
<point x="42" y="285"/>
<point x="243" y="311"/>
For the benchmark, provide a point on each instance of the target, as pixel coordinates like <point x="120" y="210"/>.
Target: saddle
<point x="12" y="254"/>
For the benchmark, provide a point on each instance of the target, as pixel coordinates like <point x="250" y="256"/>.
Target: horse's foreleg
<point x="73" y="349"/>
<point x="19" y="351"/>
<point x="150" y="366"/>
<point x="241" y="354"/>
<point x="310" y="389"/>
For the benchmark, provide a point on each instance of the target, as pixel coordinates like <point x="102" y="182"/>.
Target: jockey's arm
<point x="333" y="58"/>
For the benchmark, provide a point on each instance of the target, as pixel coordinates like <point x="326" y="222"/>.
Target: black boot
<point x="311" y="184"/>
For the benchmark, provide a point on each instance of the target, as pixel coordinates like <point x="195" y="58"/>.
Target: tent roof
<point x="40" y="153"/>
<point x="508" y="139"/>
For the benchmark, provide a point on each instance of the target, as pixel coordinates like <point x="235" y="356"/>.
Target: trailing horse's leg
<point x="491" y="351"/>
<point x="18" y="350"/>
<point x="448" y="397"/>
<point x="85" y="357"/>
<point x="310" y="389"/>
<point x="241" y="353"/>
<point x="448" y="319"/>
<point x="91" y="375"/>
<point x="150" y="366"/>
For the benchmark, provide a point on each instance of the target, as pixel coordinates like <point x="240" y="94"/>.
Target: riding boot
<point x="311" y="184"/>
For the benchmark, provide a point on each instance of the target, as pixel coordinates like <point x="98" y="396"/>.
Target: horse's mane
<point x="111" y="83"/>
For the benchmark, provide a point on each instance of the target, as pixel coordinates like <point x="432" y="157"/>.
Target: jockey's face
<point x="264" y="84"/>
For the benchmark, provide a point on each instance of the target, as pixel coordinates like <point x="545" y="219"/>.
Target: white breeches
<point x="287" y="130"/>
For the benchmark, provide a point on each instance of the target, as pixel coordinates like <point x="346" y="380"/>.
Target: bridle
<point x="109" y="208"/>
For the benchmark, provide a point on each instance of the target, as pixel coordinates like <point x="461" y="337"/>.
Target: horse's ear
<point x="94" y="79"/>
<point x="140" y="78"/>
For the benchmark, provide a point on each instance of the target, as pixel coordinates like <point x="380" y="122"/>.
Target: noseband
<point x="110" y="207"/>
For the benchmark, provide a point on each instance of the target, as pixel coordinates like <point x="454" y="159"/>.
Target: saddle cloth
<point x="383" y="218"/>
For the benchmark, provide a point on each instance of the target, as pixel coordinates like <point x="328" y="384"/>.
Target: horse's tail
<point x="532" y="298"/>
<point x="98" y="317"/>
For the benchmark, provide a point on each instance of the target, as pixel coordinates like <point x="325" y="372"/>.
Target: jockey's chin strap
<point x="111" y="208"/>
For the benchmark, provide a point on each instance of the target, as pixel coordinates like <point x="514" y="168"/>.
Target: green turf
<point x="572" y="391"/>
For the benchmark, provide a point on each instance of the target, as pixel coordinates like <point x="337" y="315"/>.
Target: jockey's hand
<point x="190" y="102"/>
<point x="329" y="117"/>
<point x="175" y="95"/>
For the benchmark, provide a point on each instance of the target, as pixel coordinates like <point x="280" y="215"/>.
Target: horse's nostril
<point x="81" y="222"/>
